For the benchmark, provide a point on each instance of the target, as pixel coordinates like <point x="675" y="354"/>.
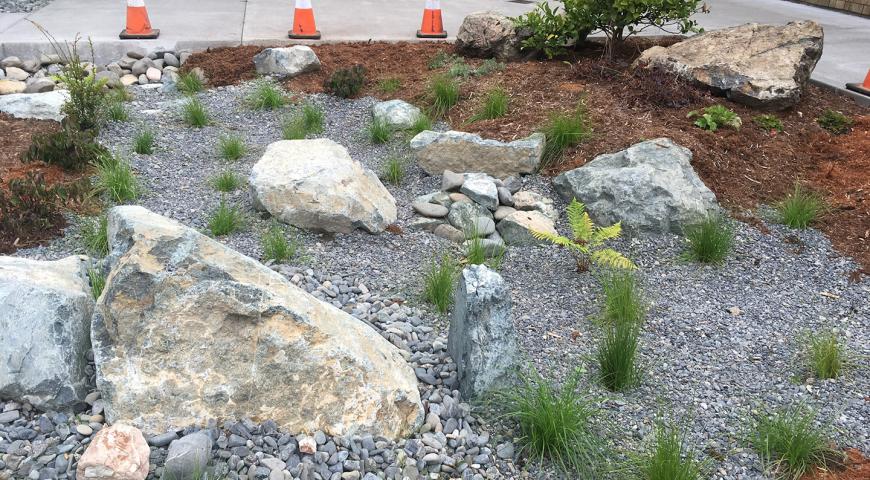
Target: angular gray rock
<point x="481" y="190"/>
<point x="188" y="330"/>
<point x="40" y="85"/>
<point x="488" y="35"/>
<point x="397" y="114"/>
<point x="451" y="181"/>
<point x="464" y="215"/>
<point x="286" y="61"/>
<point x="38" y="106"/>
<point x="649" y="187"/>
<point x="466" y="152"/>
<point x="482" y="338"/>
<point x="188" y="457"/>
<point x="517" y="227"/>
<point x="315" y="185"/>
<point x="758" y="65"/>
<point x="45" y="314"/>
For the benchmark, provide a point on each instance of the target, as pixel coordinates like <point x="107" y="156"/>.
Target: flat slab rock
<point x="188" y="330"/>
<point x="466" y="152"/>
<point x="37" y="106"/>
<point x="755" y="64"/>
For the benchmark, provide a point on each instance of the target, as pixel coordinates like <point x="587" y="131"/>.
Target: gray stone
<point x="397" y="114"/>
<point x="492" y="247"/>
<point x="464" y="215"/>
<point x="40" y="85"/>
<point x="142" y="66"/>
<point x="15" y="73"/>
<point x="531" y="201"/>
<point x="424" y="224"/>
<point x="758" y="65"/>
<point x="505" y="197"/>
<point x="502" y="212"/>
<point x="188" y="457"/>
<point x="135" y="55"/>
<point x="287" y="61"/>
<point x="480" y="227"/>
<point x="451" y="181"/>
<point x="449" y="232"/>
<point x="430" y="209"/>
<point x="45" y="311"/>
<point x="505" y="451"/>
<point x="129" y="80"/>
<point x="38" y="106"/>
<point x="649" y="187"/>
<point x="31" y="65"/>
<point x="111" y="77"/>
<point x="482" y="339"/>
<point x="171" y="60"/>
<point x="517" y="228"/>
<point x="482" y="191"/>
<point x="9" y="417"/>
<point x="488" y="35"/>
<point x="162" y="440"/>
<point x="466" y="152"/>
<point x="11" y="61"/>
<point x="153" y="74"/>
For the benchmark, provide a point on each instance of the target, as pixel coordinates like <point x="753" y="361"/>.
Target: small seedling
<point x="378" y="131"/>
<point x="226" y="181"/>
<point x="232" y="147"/>
<point x="95" y="235"/>
<point x="394" y="170"/>
<point x="438" y="283"/>
<point x="564" y="130"/>
<point x="768" y="122"/>
<point x="835" y="122"/>
<point x="143" y="142"/>
<point x="224" y="220"/>
<point x="389" y="85"/>
<point x="195" y="114"/>
<point x="715" y="116"/>
<point x="710" y="240"/>
<point x="444" y="92"/>
<point x="189" y="83"/>
<point x="790" y="443"/>
<point x="98" y="282"/>
<point x="266" y="96"/>
<point x="275" y="245"/>
<point x="800" y="208"/>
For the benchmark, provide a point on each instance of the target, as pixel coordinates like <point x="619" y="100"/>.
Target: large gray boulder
<point x="38" y="106"/>
<point x="397" y="114"/>
<point x="488" y="35"/>
<point x="482" y="339"/>
<point x="755" y="64"/>
<point x="649" y="187"/>
<point x="466" y="152"/>
<point x="315" y="185"/>
<point x="188" y="330"/>
<point x="286" y="61"/>
<point x="45" y="315"/>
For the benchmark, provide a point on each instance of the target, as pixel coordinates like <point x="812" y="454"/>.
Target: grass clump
<point x="225" y="220"/>
<point x="835" y="122"/>
<point x="266" y="96"/>
<point x="308" y="122"/>
<point x="769" y="122"/>
<point x="800" y="208"/>
<point x="564" y="130"/>
<point x="826" y="355"/>
<point x="668" y="458"/>
<point x="422" y="123"/>
<point x="378" y="131"/>
<point x="623" y="298"/>
<point x="710" y="240"/>
<point x="143" y="142"/>
<point x="790" y="443"/>
<point x="438" y="282"/>
<point x="275" y="245"/>
<point x="95" y="235"/>
<point x="495" y="105"/>
<point x="715" y="116"/>
<point x="116" y="179"/>
<point x="444" y="92"/>
<point x="98" y="282"/>
<point x="194" y="113"/>
<point x="232" y="147"/>
<point x="117" y="112"/>
<point x="617" y="355"/>
<point x="479" y="251"/>
<point x="389" y="85"/>
<point x="226" y="181"/>
<point x="394" y="170"/>
<point x="189" y="83"/>
<point x="555" y="424"/>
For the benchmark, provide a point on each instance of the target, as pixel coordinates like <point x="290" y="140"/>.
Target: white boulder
<point x="286" y="61"/>
<point x="38" y="106"/>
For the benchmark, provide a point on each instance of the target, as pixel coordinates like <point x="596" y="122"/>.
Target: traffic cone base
<point x="303" y="36"/>
<point x="421" y="34"/>
<point x="155" y="32"/>
<point x="304" y="27"/>
<point x="862" y="88"/>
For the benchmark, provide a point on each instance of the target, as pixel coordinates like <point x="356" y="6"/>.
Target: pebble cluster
<point x="22" y="6"/>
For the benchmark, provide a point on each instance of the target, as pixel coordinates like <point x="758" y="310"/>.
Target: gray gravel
<point x="702" y="365"/>
<point x="22" y="6"/>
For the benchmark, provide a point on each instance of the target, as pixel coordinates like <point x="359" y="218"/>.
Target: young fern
<point x="588" y="240"/>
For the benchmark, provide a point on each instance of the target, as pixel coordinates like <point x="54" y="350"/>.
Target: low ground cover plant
<point x="835" y="122"/>
<point x="143" y="142"/>
<point x="710" y="240"/>
<point x="194" y="113"/>
<point x="346" y="82"/>
<point x="768" y="122"/>
<point x="800" y="208"/>
<point x="266" y="96"/>
<point x="28" y="204"/>
<point x="564" y="130"/>
<point x="226" y="181"/>
<point x="825" y="354"/>
<point x="95" y="235"/>
<point x="715" y="116"/>
<point x="225" y="219"/>
<point x="790" y="442"/>
<point x="438" y="282"/>
<point x="68" y="148"/>
<point x="232" y="147"/>
<point x="276" y="247"/>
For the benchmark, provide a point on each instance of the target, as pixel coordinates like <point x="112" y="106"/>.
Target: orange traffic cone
<point x="432" y="27"/>
<point x="861" y="87"/>
<point x="138" y="25"/>
<point x="303" y="22"/>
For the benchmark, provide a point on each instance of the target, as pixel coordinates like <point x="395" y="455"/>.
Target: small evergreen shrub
<point x="564" y="130"/>
<point x="68" y="148"/>
<point x="98" y="282"/>
<point x="95" y="235"/>
<point x="143" y="142"/>
<point x="835" y="122"/>
<point x="800" y="208"/>
<point x="715" y="116"/>
<point x="194" y="113"/>
<point x="86" y="107"/>
<point x="711" y="240"/>
<point x="768" y="122"/>
<point x="232" y="147"/>
<point x="189" y="83"/>
<point x="444" y="92"/>
<point x="438" y="283"/>
<point x="275" y="245"/>
<point x="346" y="82"/>
<point x="266" y="96"/>
<point x="226" y="181"/>
<point x="225" y="220"/>
<point x="790" y="443"/>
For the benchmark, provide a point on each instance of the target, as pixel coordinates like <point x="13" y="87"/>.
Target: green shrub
<point x="623" y="298"/>
<point x="28" y="204"/>
<point x="668" y="458"/>
<point x="800" y="208"/>
<point x="86" y="107"/>
<point x="716" y="116"/>
<point x="68" y="148"/>
<point x="389" y="85"/>
<point x="98" y="282"/>
<point x="835" y="122"/>
<point x="444" y="92"/>
<point x="346" y="82"/>
<point x="710" y="240"/>
<point x="225" y="220"/>
<point x="226" y="181"/>
<point x="790" y="443"/>
<point x="116" y="179"/>
<point x="438" y="282"/>
<point x="553" y="30"/>
<point x="95" y="235"/>
<point x="768" y="122"/>
<point x="143" y="142"/>
<point x="378" y="131"/>
<point x="826" y="355"/>
<point x="232" y="147"/>
<point x="556" y="424"/>
<point x="189" y="82"/>
<point x="194" y="113"/>
<point x="275" y="245"/>
<point x="564" y="130"/>
<point x="422" y="123"/>
<point x="394" y="170"/>
<point x="117" y="112"/>
<point x="588" y="240"/>
<point x="495" y="105"/>
<point x="266" y="96"/>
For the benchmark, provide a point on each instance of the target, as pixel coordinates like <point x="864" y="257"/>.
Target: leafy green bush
<point x="266" y="96"/>
<point x="28" y="204"/>
<point x="826" y="355"/>
<point x="394" y="170"/>
<point x="438" y="282"/>
<point x="554" y="30"/>
<point x="716" y="116"/>
<point x="143" y="142"/>
<point x="68" y="148"/>
<point x="378" y="131"/>
<point x="768" y="122"/>
<point x="556" y="424"/>
<point x="389" y="85"/>
<point x="564" y="130"/>
<point x="226" y="181"/>
<point x="710" y="240"/>
<point x="95" y="235"/>
<point x="232" y="147"/>
<point x="495" y="105"/>
<point x="194" y="113"/>
<point x="346" y="82"/>
<point x="800" y="208"/>
<point x="668" y="458"/>
<point x="116" y="179"/>
<point x="189" y="82"/>
<point x="86" y="107"/>
<point x="98" y="282"/>
<point x="835" y="122"/>
<point x="275" y="245"/>
<point x="790" y="443"/>
<point x="225" y="220"/>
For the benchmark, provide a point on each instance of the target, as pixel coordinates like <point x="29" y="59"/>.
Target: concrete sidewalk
<point x="197" y="24"/>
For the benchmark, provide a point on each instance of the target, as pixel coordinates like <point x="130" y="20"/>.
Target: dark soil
<point x="744" y="168"/>
<point x="856" y="467"/>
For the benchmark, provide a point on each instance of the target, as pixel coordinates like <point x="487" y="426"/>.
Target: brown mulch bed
<point x="856" y="467"/>
<point x="744" y="168"/>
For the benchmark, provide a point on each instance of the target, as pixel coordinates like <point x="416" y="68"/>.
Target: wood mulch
<point x="856" y="467"/>
<point x="744" y="168"/>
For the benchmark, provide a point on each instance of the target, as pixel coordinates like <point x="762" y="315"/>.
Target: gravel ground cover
<point x="22" y="6"/>
<point x="703" y="365"/>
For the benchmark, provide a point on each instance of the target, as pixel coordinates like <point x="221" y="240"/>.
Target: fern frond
<point x="606" y="233"/>
<point x="608" y="257"/>
<point x="581" y="225"/>
<point x="552" y="238"/>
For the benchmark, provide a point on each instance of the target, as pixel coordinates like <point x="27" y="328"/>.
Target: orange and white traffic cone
<point x="138" y="25"/>
<point x="863" y="88"/>
<point x="303" y="22"/>
<point x="432" y="27"/>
